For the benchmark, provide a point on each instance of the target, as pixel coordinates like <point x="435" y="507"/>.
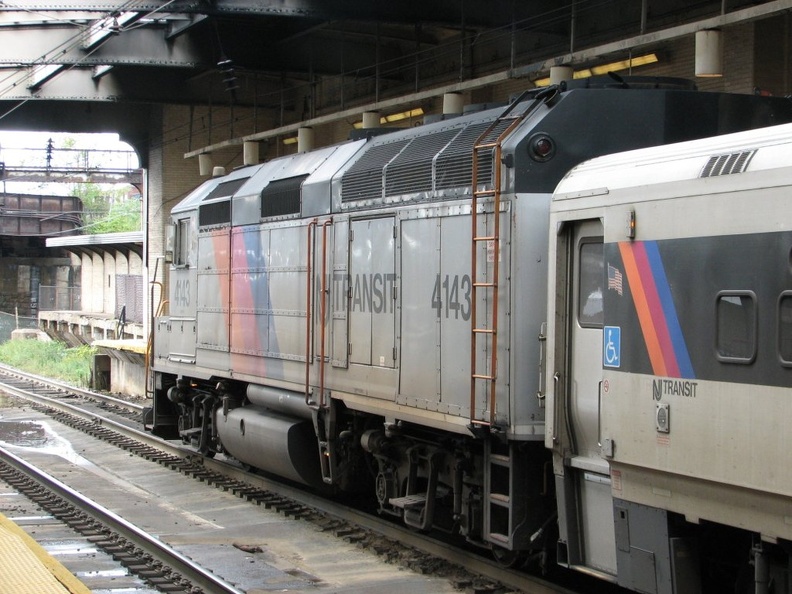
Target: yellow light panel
<point x="605" y="68"/>
<point x="396" y="117"/>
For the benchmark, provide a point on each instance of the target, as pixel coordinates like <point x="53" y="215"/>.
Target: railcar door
<point x="590" y="472"/>
<point x="372" y="292"/>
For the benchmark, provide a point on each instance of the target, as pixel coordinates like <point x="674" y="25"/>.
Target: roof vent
<point x="727" y="164"/>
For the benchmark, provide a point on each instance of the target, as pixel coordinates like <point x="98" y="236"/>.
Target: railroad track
<point x="141" y="553"/>
<point x="90" y="412"/>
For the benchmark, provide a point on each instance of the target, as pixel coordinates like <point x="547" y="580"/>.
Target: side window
<point x="590" y="311"/>
<point x="735" y="327"/>
<point x="182" y="243"/>
<point x="785" y="328"/>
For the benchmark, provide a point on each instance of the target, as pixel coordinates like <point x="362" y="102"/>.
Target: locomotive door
<point x="590" y="471"/>
<point x="372" y="292"/>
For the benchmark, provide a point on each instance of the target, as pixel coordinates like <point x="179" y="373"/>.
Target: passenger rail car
<point x="370" y="316"/>
<point x="670" y="364"/>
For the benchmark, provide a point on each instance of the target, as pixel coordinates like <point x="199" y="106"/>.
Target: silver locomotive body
<point x="371" y="315"/>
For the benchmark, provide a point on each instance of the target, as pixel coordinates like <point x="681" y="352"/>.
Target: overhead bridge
<point x="99" y="175"/>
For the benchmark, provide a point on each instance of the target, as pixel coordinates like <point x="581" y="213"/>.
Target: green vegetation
<point x="108" y="210"/>
<point x="50" y="359"/>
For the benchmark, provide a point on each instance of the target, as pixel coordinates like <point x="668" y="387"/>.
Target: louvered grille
<point x="364" y="179"/>
<point x="455" y="164"/>
<point x="411" y="170"/>
<point x="727" y="164"/>
<point x="282" y="197"/>
<point x="214" y="214"/>
<point x="226" y="188"/>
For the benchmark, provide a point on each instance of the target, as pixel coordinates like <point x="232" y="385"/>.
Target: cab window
<point x="181" y="256"/>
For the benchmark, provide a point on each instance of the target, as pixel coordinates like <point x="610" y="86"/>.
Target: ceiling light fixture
<point x="709" y="53"/>
<point x="396" y="117"/>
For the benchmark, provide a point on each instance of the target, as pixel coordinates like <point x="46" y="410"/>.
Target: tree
<point x="108" y="210"/>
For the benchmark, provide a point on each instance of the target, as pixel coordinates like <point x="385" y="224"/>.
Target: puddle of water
<point x="38" y="435"/>
<point x="23" y="433"/>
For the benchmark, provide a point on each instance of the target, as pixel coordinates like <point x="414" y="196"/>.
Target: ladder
<point x="507" y="469"/>
<point x="488" y="144"/>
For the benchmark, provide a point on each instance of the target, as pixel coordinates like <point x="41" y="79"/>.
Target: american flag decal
<point x="614" y="279"/>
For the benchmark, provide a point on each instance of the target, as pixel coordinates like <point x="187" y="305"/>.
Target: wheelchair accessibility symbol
<point x="611" y="346"/>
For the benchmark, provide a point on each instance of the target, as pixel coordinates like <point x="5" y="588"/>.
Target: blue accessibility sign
<point x="611" y="346"/>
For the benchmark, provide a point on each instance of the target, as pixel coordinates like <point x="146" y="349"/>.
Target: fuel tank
<point x="271" y="442"/>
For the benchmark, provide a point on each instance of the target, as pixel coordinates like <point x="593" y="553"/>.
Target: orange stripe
<point x="642" y="308"/>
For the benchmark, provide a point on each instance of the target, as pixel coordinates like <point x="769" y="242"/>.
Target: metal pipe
<point x="644" y="11"/>
<point x="377" y="67"/>
<point x="462" y="41"/>
<point x="281" y="401"/>
<point x="761" y="570"/>
<point x="513" y="40"/>
<point x="572" y="23"/>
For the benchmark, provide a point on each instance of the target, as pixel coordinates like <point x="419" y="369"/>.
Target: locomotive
<point x="371" y="317"/>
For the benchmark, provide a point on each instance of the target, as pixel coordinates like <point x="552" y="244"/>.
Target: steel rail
<point x="195" y="574"/>
<point x="69" y="388"/>
<point x="473" y="563"/>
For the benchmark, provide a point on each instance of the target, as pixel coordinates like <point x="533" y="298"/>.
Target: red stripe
<point x="656" y="311"/>
<point x="642" y="308"/>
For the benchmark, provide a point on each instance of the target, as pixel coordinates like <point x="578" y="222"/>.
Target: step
<point x="495" y="537"/>
<point x="499" y="499"/>
<point x="500" y="459"/>
<point x="416" y="501"/>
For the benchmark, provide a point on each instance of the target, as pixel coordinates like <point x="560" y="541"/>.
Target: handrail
<point x="308" y="285"/>
<point x="323" y="310"/>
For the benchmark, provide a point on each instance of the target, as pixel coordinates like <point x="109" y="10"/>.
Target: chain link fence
<point x="59" y="298"/>
<point x="10" y="322"/>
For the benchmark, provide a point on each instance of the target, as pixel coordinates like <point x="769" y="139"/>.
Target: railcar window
<point x="785" y="328"/>
<point x="590" y="281"/>
<point x="182" y="247"/>
<point x="736" y="323"/>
